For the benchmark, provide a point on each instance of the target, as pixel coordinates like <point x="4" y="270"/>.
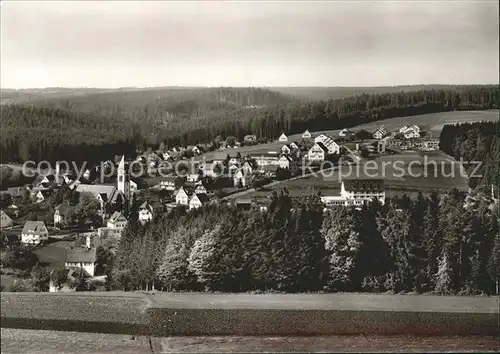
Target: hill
<point x="339" y="92"/>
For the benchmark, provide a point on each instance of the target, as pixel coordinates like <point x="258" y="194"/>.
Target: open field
<point x="432" y="122"/>
<point x="432" y="171"/>
<point x="167" y="314"/>
<point x="24" y="341"/>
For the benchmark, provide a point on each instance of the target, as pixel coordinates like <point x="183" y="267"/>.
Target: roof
<point x="34" y="227"/>
<point x="116" y="215"/>
<point x="81" y="255"/>
<point x="202" y="197"/>
<point x="243" y="201"/>
<point x="363" y="185"/>
<point x="322" y="146"/>
<point x="108" y="190"/>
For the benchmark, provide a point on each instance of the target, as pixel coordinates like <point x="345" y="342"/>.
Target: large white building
<point x="331" y="145"/>
<point x="380" y="133"/>
<point x="355" y="192"/>
<point x="81" y="258"/>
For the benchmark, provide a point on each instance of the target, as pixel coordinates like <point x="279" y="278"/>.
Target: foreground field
<point x="31" y="341"/>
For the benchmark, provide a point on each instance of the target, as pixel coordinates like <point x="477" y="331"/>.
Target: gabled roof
<point x="116" y="215"/>
<point x="34" y="227"/>
<point x="202" y="197"/>
<point x="108" y="190"/>
<point x="81" y="255"/>
<point x="322" y="146"/>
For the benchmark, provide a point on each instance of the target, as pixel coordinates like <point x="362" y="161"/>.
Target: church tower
<point x="124" y="178"/>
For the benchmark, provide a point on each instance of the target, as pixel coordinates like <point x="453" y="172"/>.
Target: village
<point x="93" y="213"/>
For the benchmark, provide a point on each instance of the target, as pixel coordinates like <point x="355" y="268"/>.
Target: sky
<point x="111" y="44"/>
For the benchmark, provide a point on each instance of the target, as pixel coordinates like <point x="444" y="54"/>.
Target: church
<point x="112" y="197"/>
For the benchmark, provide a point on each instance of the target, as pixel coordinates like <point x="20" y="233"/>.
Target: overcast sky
<point x="336" y="43"/>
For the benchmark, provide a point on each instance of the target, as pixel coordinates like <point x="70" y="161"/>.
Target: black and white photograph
<point x="249" y="176"/>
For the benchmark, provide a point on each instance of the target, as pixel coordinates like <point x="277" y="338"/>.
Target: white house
<point x="242" y="178"/>
<point x="285" y="149"/>
<point x="192" y="177"/>
<point x="181" y="197"/>
<point x="344" y="132"/>
<point x="321" y="138"/>
<point x="198" y="200"/>
<point x="380" y="133"/>
<point x="145" y="212"/>
<point x="200" y="189"/>
<point x="6" y="221"/>
<point x="117" y="222"/>
<point x="431" y="144"/>
<point x="333" y="147"/>
<point x="81" y="258"/>
<point x="306" y="134"/>
<point x="283" y="138"/>
<point x="294" y="146"/>
<point x="60" y="213"/>
<point x="34" y="232"/>
<point x="355" y="192"/>
<point x="168" y="183"/>
<point x="284" y="161"/>
<point x="317" y="153"/>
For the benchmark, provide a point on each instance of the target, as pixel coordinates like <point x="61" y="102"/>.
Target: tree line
<point x="102" y="127"/>
<point x="418" y="245"/>
<point x="478" y="142"/>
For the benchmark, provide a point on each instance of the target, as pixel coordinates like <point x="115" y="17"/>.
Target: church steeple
<point x="123" y="181"/>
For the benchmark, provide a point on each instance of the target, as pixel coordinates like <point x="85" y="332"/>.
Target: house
<point x="168" y="183"/>
<point x="34" y="232"/>
<point x="270" y="158"/>
<point x="270" y="171"/>
<point x="181" y="197"/>
<point x="81" y="258"/>
<point x="200" y="189"/>
<point x="247" y="168"/>
<point x="145" y="212"/>
<point x="355" y="192"/>
<point x="209" y="169"/>
<point x="286" y="149"/>
<point x="232" y="169"/>
<point x="192" y="177"/>
<point x="250" y="139"/>
<point x="198" y="200"/>
<point x="317" y="153"/>
<point x="39" y="194"/>
<point x="431" y="144"/>
<point x="133" y="187"/>
<point x="242" y="178"/>
<point x="284" y="161"/>
<point x="117" y="222"/>
<point x="306" y="134"/>
<point x="5" y="220"/>
<point x="283" y="138"/>
<point x="345" y="132"/>
<point x="61" y="213"/>
<point x="321" y="138"/>
<point x="14" y="209"/>
<point x="380" y="133"/>
<point x="294" y="146"/>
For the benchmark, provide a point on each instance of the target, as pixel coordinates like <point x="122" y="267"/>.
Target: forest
<point x="94" y="125"/>
<point x="475" y="142"/>
<point x="421" y="245"/>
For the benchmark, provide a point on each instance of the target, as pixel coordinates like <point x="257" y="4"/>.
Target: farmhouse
<point x="181" y="197"/>
<point x="355" y="192"/>
<point x="5" y="220"/>
<point x="283" y="138"/>
<point x="34" y="232"/>
<point x="198" y="200"/>
<point x="250" y="139"/>
<point x="284" y="161"/>
<point x="431" y="144"/>
<point x="117" y="222"/>
<point x="81" y="258"/>
<point x="380" y="133"/>
<point x="345" y="132"/>
<point x="61" y="213"/>
<point x="317" y="153"/>
<point x="167" y="183"/>
<point x="410" y="132"/>
<point x="306" y="134"/>
<point x="270" y="158"/>
<point x="286" y="149"/>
